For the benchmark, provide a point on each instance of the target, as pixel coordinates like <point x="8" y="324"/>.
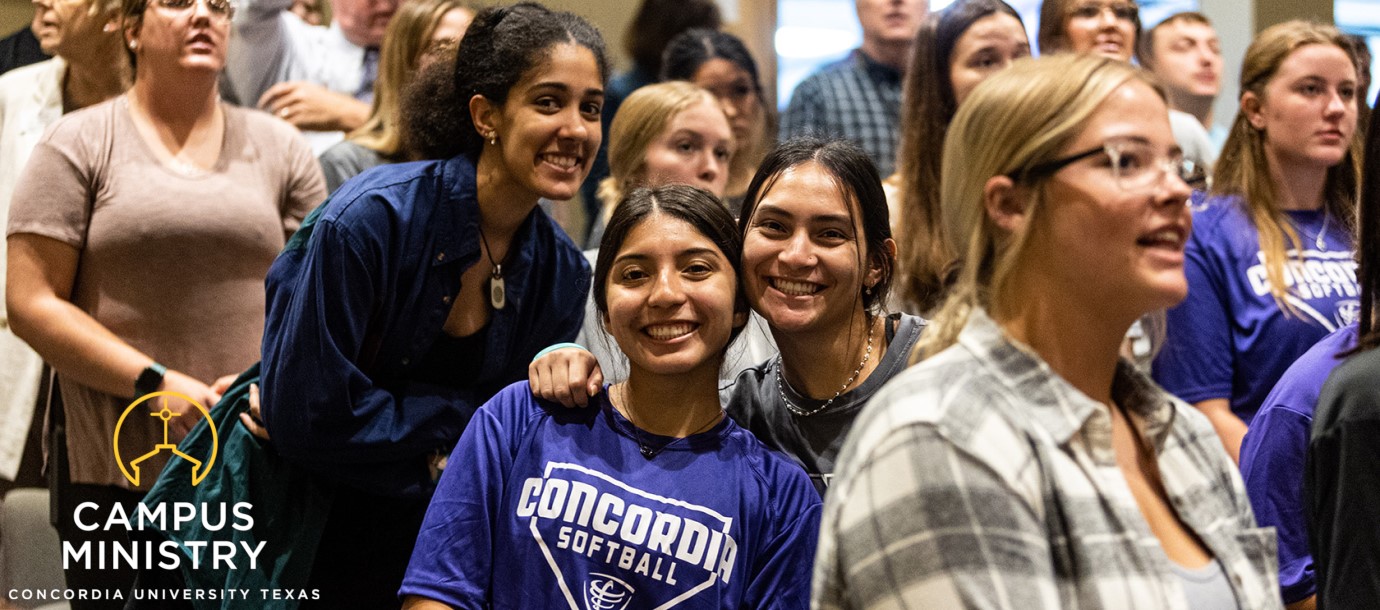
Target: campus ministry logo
<point x="181" y="525"/>
<point x="199" y="469"/>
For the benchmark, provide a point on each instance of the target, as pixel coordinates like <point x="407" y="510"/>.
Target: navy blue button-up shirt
<point x="356" y="300"/>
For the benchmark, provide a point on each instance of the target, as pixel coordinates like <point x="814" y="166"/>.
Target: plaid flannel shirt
<point x="856" y="99"/>
<point x="981" y="479"/>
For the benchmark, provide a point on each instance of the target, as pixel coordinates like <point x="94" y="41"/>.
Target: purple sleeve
<point x="781" y="576"/>
<point x="1272" y="463"/>
<point x="453" y="559"/>
<point x="1196" y="361"/>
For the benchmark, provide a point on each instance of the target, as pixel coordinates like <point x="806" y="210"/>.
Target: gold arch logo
<point x="199" y="469"/>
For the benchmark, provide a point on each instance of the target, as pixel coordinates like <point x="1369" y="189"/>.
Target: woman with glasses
<point x="1270" y="263"/>
<point x="1110" y="28"/>
<point x="1020" y="464"/>
<point x="139" y="239"/>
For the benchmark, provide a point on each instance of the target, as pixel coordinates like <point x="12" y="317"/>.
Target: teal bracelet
<point x="555" y="347"/>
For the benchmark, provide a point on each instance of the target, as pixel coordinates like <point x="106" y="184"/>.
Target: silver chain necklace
<point x="782" y="384"/>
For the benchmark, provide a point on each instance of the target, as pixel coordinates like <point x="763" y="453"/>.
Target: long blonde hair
<point x="1243" y="169"/>
<point x="408" y="38"/>
<point x="1018" y="118"/>
<point x="640" y="120"/>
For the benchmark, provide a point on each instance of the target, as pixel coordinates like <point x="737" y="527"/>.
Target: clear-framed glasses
<point x="1136" y="166"/>
<point x="219" y="8"/>
<point x="1125" y="11"/>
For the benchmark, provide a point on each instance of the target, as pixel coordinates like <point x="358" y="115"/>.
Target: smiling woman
<point x="425" y="288"/>
<point x="649" y="498"/>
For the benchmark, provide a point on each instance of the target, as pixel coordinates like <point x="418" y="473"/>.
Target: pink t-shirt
<point x="172" y="261"/>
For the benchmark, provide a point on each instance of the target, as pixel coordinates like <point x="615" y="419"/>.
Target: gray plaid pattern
<point x="980" y="479"/>
<point x="855" y="99"/>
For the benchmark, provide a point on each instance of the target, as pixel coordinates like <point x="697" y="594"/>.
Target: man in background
<point x="320" y="79"/>
<point x="1183" y="53"/>
<point x="859" y="98"/>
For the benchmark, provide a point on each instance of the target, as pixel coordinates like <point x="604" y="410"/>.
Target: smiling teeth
<point x="669" y="331"/>
<point x="794" y="288"/>
<point x="562" y="161"/>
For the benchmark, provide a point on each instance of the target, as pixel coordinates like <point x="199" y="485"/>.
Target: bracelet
<point x="555" y="347"/>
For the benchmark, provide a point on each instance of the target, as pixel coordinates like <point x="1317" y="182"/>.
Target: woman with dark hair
<point x="651" y="499"/>
<point x="1270" y="261"/>
<point x="412" y="296"/>
<point x="720" y="63"/>
<point x="817" y="267"/>
<point x="122" y="287"/>
<point x="955" y="50"/>
<point x="1342" y="479"/>
<point x="1021" y="464"/>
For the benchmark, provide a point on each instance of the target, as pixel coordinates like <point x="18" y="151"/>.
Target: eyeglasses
<point x="1124" y="11"/>
<point x="1136" y="166"/>
<point x="219" y="8"/>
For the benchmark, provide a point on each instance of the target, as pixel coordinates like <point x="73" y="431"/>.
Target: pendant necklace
<point x="782" y="384"/>
<point x="498" y="297"/>
<point x="649" y="450"/>
<point x="1319" y="242"/>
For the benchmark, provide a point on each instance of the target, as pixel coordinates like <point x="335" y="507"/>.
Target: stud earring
<point x="867" y="291"/>
<point x="133" y="45"/>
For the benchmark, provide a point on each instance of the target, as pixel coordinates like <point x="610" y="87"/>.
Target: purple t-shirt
<point x="1229" y="338"/>
<point x="1272" y="458"/>
<point x="547" y="507"/>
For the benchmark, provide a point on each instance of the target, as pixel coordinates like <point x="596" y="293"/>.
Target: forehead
<point x="806" y="190"/>
<point x="704" y="116"/>
<point x="720" y="70"/>
<point x="997" y="27"/>
<point x="1321" y="60"/>
<point x="1133" y="110"/>
<point x="566" y="65"/>
<point x="661" y="234"/>
<point x="1183" y="28"/>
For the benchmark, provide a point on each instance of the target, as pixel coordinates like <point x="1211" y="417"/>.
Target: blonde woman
<point x="672" y="132"/>
<point x="1270" y="265"/>
<point x="721" y="63"/>
<point x="421" y="32"/>
<point x="1020" y="464"/>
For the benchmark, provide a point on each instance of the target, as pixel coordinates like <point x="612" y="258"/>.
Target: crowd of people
<point x="976" y="323"/>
